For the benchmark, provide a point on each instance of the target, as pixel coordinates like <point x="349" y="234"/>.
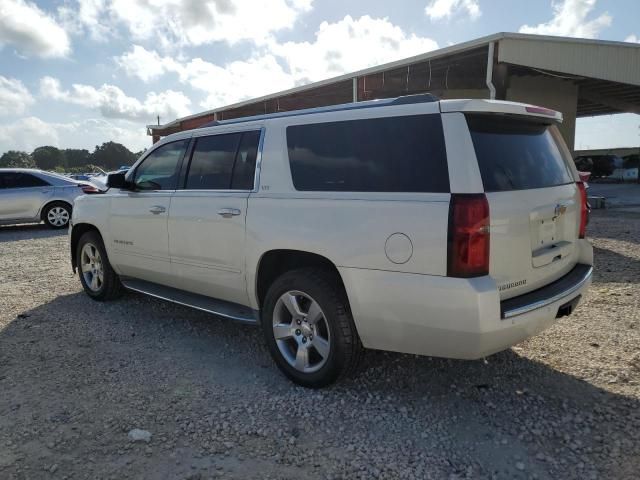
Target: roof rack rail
<point x="386" y="102"/>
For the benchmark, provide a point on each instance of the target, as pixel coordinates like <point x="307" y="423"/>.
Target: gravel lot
<point x="77" y="376"/>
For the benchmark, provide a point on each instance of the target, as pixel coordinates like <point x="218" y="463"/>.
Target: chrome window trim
<point x="256" y="174"/>
<point x="548" y="301"/>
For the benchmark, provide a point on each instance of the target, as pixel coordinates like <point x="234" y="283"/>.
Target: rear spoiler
<point x="499" y="106"/>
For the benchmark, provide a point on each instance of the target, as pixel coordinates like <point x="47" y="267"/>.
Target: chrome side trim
<point x="548" y="301"/>
<point x="198" y="302"/>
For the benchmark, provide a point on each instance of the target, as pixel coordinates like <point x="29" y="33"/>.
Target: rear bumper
<point x="452" y="317"/>
<point x="562" y="288"/>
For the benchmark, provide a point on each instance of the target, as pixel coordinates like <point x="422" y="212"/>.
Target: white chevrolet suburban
<point x="451" y="228"/>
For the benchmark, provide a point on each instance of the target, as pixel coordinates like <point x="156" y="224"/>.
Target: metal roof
<point x="607" y="72"/>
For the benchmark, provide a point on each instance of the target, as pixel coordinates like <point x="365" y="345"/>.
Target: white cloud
<point x="176" y="23"/>
<point x="31" y="31"/>
<point x="14" y="96"/>
<point x="146" y="64"/>
<point x="348" y="45"/>
<point x="632" y="39"/>
<point x="27" y="134"/>
<point x="570" y="20"/>
<point x="114" y="103"/>
<point x="86" y="17"/>
<point x="445" y="9"/>
<point x="31" y="132"/>
<point x="341" y="47"/>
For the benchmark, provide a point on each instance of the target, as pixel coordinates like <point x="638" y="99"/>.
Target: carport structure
<point x="577" y="77"/>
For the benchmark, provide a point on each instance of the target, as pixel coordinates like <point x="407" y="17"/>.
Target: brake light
<point x="89" y="189"/>
<point x="584" y="210"/>
<point x="468" y="242"/>
<point x="541" y="111"/>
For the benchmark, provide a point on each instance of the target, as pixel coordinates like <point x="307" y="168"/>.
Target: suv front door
<point x="22" y="195"/>
<point x="139" y="244"/>
<point x="207" y="217"/>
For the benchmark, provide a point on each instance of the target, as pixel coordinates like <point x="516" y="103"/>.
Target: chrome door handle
<point x="157" y="209"/>
<point x="228" y="212"/>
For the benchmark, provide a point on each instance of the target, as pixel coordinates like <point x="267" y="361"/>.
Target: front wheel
<point x="308" y="327"/>
<point x="98" y="278"/>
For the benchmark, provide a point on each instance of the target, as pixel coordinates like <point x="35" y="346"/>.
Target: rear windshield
<point x="517" y="154"/>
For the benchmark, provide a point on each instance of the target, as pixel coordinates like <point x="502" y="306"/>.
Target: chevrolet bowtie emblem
<point x="560" y="210"/>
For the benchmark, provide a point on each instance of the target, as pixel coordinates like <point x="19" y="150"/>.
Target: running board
<point x="230" y="310"/>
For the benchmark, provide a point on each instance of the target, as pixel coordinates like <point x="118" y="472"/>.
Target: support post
<point x="492" y="88"/>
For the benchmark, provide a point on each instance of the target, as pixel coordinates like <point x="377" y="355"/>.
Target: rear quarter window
<point x="517" y="154"/>
<point x="391" y="154"/>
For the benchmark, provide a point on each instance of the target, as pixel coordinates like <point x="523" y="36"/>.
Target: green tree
<point x="110" y="155"/>
<point x="75" y="157"/>
<point x="48" y="158"/>
<point x="16" y="159"/>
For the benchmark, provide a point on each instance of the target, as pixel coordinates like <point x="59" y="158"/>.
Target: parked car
<point x="29" y="195"/>
<point x="451" y="228"/>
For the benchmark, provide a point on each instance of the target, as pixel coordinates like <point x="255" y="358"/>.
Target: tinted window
<point x="159" y="171"/>
<point x="223" y="162"/>
<point x="244" y="169"/>
<point x="212" y="162"/>
<point x="20" y="180"/>
<point x="515" y="154"/>
<point x="394" y="154"/>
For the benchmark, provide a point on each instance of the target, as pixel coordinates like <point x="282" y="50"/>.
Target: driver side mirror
<point x="117" y="180"/>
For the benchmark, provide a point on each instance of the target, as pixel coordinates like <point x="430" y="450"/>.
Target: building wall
<point x="550" y="92"/>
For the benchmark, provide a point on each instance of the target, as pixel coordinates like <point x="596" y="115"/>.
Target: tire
<point x="57" y="215"/>
<point x="98" y="278"/>
<point x="335" y="351"/>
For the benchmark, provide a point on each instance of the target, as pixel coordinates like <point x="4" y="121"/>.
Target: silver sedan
<point x="29" y="195"/>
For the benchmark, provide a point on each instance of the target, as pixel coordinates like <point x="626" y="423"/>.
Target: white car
<point x="451" y="228"/>
<point x="31" y="196"/>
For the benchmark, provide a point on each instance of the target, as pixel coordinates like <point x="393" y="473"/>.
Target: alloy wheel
<point x="91" y="266"/>
<point x="301" y="331"/>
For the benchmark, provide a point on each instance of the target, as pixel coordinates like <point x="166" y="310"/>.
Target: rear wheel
<point x="309" y="329"/>
<point x="57" y="215"/>
<point x="98" y="278"/>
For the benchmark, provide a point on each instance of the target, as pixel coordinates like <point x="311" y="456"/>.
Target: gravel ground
<point x="76" y="377"/>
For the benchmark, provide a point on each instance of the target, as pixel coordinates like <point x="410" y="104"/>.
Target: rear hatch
<point x="534" y="202"/>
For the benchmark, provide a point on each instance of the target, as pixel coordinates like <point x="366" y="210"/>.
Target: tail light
<point x="468" y="242"/>
<point x="584" y="210"/>
<point x="89" y="188"/>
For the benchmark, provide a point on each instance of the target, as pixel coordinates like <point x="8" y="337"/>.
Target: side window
<point x="20" y="180"/>
<point x="223" y="162"/>
<point x="159" y="171"/>
<point x="391" y="154"/>
<point x="211" y="164"/>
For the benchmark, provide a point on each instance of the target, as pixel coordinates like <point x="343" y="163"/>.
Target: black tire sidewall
<point x="66" y="206"/>
<point x="298" y="280"/>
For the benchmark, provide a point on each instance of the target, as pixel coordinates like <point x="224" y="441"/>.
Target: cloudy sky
<point x="76" y="73"/>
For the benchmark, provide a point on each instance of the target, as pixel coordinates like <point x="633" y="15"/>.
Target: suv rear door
<point x="534" y="201"/>
<point x="207" y="216"/>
